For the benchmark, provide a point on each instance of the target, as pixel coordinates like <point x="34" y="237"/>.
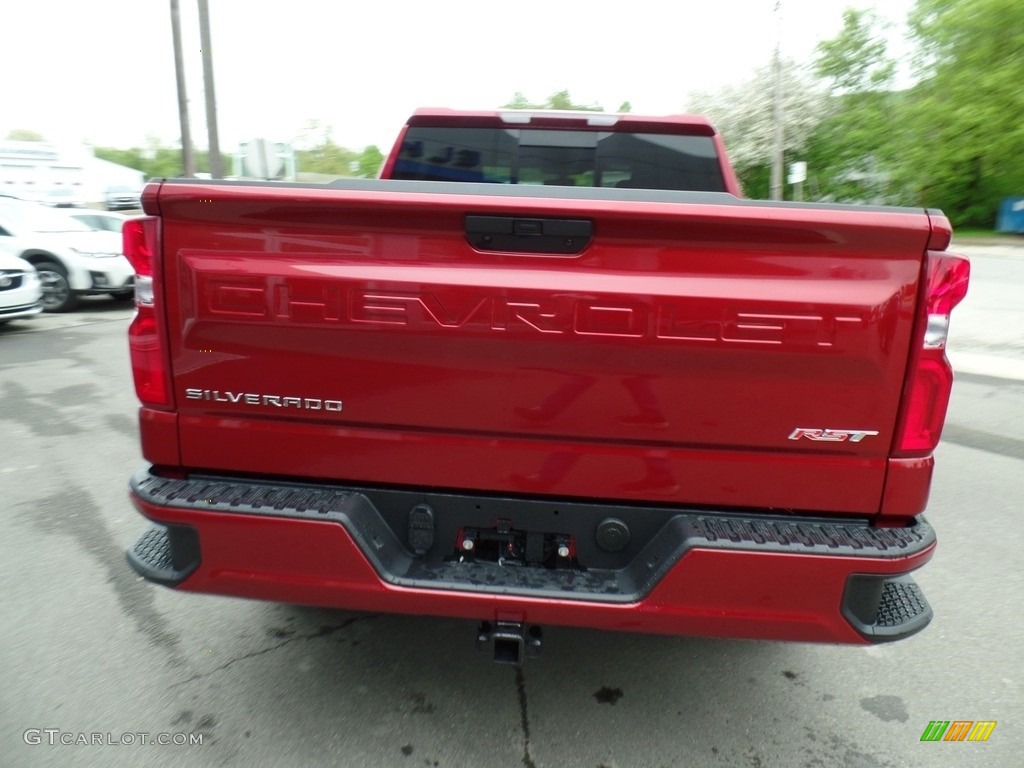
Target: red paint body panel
<point x="907" y="486"/>
<point x="679" y="351"/>
<point x="158" y="434"/>
<point x="529" y="466"/>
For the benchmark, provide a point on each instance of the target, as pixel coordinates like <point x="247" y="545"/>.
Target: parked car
<point x="71" y="259"/>
<point x="57" y="197"/>
<point x="101" y="221"/>
<point x="21" y="294"/>
<point x="120" y="198"/>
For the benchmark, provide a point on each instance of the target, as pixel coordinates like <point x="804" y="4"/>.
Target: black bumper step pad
<point x="902" y="602"/>
<point x="674" y="532"/>
<point x="166" y="554"/>
<point x="884" y="608"/>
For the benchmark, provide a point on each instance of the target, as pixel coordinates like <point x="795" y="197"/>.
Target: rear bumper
<point x="21" y="310"/>
<point x="682" y="572"/>
<point x="21" y="296"/>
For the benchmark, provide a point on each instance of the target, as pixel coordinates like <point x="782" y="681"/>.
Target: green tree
<point x="155" y="161"/>
<point x="743" y="114"/>
<point x="853" y="152"/>
<point x="131" y="158"/>
<point x="322" y="155"/>
<point x="519" y="101"/>
<point x="856" y="60"/>
<point x="370" y="161"/>
<point x="560" y="101"/>
<point x="23" y="134"/>
<point x="965" y="133"/>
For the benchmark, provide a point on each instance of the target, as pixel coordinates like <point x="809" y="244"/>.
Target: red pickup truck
<point x="551" y="369"/>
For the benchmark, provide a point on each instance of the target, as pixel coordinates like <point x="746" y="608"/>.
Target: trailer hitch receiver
<point x="509" y="642"/>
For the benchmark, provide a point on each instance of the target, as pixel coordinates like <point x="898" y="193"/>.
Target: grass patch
<point x="986" y="236"/>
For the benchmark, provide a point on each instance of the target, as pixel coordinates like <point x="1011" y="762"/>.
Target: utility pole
<point x="188" y="166"/>
<point x="779" y="141"/>
<point x="216" y="165"/>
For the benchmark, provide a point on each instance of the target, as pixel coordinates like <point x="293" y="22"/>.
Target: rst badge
<point x="832" y="435"/>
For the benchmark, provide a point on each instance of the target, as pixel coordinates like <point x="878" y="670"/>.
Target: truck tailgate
<point x="691" y="349"/>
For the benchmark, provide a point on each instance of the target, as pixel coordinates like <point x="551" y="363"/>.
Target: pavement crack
<point x="324" y="631"/>
<point x="524" y="718"/>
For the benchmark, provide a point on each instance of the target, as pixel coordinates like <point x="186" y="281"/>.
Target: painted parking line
<point x="987" y="365"/>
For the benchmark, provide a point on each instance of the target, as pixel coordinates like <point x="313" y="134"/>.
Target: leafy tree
<point x="853" y="151"/>
<point x="322" y="155"/>
<point x="23" y="134"/>
<point x="370" y="161"/>
<point x="560" y="101"/>
<point x="317" y="153"/>
<point x="953" y="141"/>
<point x="519" y="101"/>
<point x="154" y="161"/>
<point x="131" y="158"/>
<point x="965" y="132"/>
<point x="856" y="60"/>
<point x="744" y="115"/>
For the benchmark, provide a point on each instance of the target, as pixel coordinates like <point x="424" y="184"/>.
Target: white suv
<point x="71" y="259"/>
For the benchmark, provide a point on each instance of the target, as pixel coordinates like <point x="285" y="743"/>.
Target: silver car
<point x="121" y="198"/>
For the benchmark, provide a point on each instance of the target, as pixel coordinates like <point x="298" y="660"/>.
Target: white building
<point x="36" y="170"/>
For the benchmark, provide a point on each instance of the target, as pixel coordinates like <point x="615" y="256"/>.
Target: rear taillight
<point x="145" y="335"/>
<point x="139" y="239"/>
<point x="930" y="377"/>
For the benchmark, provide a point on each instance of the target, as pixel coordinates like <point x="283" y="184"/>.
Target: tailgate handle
<point x="557" y="237"/>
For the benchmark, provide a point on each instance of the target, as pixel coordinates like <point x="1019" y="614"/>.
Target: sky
<point x="102" y="71"/>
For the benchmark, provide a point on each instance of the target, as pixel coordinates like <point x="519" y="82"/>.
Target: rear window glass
<point x="562" y="158"/>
